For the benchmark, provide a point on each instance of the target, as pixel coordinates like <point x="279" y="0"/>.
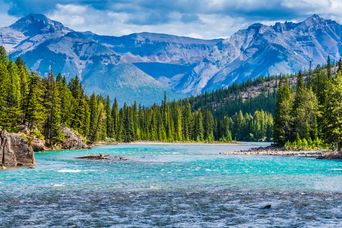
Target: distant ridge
<point x="142" y="66"/>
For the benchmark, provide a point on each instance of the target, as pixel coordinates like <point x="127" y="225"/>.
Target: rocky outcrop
<point x="15" y="150"/>
<point x="38" y="145"/>
<point x="72" y="141"/>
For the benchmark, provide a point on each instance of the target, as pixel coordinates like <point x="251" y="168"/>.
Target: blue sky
<point x="196" y="18"/>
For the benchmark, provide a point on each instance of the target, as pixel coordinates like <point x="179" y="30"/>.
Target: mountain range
<point x="143" y="66"/>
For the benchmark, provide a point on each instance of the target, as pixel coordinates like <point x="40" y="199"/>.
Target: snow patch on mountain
<point x="143" y="66"/>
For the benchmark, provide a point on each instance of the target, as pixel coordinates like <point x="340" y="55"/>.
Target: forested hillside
<point x="45" y="104"/>
<point x="310" y="115"/>
<point x="307" y="108"/>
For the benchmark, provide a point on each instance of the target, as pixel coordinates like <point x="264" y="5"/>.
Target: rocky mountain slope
<point x="143" y="66"/>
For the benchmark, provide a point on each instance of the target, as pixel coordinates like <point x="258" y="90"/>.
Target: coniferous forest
<point x="307" y="114"/>
<point x="44" y="104"/>
<point x="310" y="115"/>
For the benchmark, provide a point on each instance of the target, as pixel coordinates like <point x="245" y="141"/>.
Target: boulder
<point x="103" y="157"/>
<point x="72" y="141"/>
<point x="95" y="157"/>
<point x="38" y="145"/>
<point x="15" y="150"/>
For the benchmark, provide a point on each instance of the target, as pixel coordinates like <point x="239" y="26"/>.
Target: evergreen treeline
<point x="310" y="115"/>
<point x="43" y="105"/>
<point x="228" y="101"/>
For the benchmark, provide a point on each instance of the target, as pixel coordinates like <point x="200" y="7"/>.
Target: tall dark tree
<point x="282" y="123"/>
<point x="52" y="106"/>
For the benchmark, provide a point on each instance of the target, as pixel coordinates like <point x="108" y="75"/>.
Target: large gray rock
<point x="72" y="141"/>
<point x="37" y="144"/>
<point x="15" y="150"/>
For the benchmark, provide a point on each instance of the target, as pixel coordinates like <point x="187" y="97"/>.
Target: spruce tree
<point x="282" y="123"/>
<point x="329" y="67"/>
<point x="34" y="114"/>
<point x="52" y="106"/>
<point x="109" y="120"/>
<point x="23" y="73"/>
<point x="115" y="118"/>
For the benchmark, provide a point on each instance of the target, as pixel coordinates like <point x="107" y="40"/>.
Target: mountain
<point x="143" y="66"/>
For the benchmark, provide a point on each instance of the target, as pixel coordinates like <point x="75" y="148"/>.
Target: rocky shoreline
<point x="17" y="149"/>
<point x="279" y="151"/>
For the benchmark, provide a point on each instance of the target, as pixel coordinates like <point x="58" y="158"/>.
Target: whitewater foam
<point x="73" y="171"/>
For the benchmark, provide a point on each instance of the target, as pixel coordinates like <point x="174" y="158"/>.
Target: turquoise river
<point x="172" y="186"/>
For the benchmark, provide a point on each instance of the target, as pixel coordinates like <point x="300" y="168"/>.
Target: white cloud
<point x="326" y="8"/>
<point x="202" y="19"/>
<point x="117" y="23"/>
<point x="5" y="19"/>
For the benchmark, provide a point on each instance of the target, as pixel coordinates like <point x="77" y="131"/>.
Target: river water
<point x="172" y="186"/>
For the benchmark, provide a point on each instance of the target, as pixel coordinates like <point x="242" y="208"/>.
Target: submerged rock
<point x="267" y="206"/>
<point x="15" y="150"/>
<point x="95" y="157"/>
<point x="103" y="157"/>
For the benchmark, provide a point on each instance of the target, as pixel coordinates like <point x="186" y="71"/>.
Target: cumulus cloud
<point x="5" y="18"/>
<point x="205" y="18"/>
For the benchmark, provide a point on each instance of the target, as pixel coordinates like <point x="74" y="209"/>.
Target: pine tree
<point x="115" y="119"/>
<point x="128" y="125"/>
<point x="329" y="67"/>
<point x="34" y="114"/>
<point x="52" y="106"/>
<point x="208" y="126"/>
<point x="66" y="100"/>
<point x="94" y="117"/>
<point x="282" y="123"/>
<point x="109" y="120"/>
<point x="3" y="56"/>
<point x="198" y="127"/>
<point x="80" y="111"/>
<point x="187" y="121"/>
<point x="23" y="73"/>
<point x="4" y="82"/>
<point x="227" y="134"/>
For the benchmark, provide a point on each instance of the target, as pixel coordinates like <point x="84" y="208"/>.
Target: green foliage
<point x="52" y="105"/>
<point x="43" y="105"/>
<point x="310" y="116"/>
<point x="332" y="117"/>
<point x="303" y="144"/>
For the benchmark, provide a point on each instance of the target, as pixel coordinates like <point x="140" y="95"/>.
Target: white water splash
<point x="74" y="171"/>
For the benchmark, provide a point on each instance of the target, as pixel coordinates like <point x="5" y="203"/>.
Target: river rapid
<point x="172" y="185"/>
